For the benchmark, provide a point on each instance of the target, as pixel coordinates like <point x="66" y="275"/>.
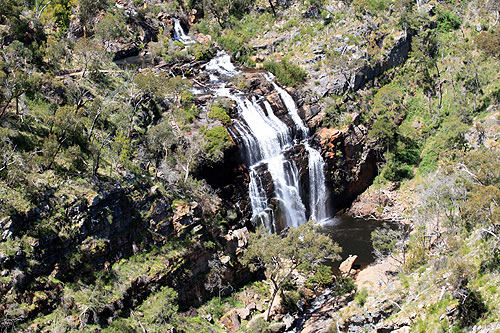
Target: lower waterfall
<point x="275" y="154"/>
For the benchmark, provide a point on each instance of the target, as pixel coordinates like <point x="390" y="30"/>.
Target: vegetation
<point x="94" y="147"/>
<point x="287" y="73"/>
<point x="303" y="248"/>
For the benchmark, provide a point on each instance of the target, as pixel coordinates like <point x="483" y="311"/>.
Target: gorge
<point x="144" y="143"/>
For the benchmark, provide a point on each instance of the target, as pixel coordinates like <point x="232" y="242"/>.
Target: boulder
<point x="277" y="327"/>
<point x="288" y="320"/>
<point x="237" y="240"/>
<point x="231" y="321"/>
<point x="251" y="306"/>
<point x="243" y="313"/>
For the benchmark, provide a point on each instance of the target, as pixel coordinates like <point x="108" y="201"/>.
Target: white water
<point x="269" y="144"/>
<point x="179" y="33"/>
<point x="221" y="64"/>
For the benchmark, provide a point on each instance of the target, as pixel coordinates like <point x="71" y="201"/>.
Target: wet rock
<point x="351" y="164"/>
<point x="277" y="327"/>
<point x="288" y="320"/>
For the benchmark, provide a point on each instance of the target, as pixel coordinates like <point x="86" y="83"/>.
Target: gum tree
<point x="302" y="248"/>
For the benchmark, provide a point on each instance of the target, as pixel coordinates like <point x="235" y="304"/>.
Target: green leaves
<point x="302" y="248"/>
<point x="287" y="73"/>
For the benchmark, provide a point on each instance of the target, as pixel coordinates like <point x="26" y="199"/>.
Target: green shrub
<point x="290" y="299"/>
<point x="471" y="307"/>
<point x="492" y="262"/>
<point x="448" y="20"/>
<point x="343" y="285"/>
<point x="286" y="72"/>
<point x="489" y="42"/>
<point x="373" y="7"/>
<point x="217" y="141"/>
<point x="236" y="42"/>
<point x="203" y="52"/>
<point x="219" y="114"/>
<point x="323" y="277"/>
<point x="361" y="296"/>
<point x="160" y="310"/>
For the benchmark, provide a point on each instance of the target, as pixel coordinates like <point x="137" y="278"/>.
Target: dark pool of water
<point x="354" y="236"/>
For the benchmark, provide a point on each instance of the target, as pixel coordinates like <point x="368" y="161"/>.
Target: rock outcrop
<point x="351" y="163"/>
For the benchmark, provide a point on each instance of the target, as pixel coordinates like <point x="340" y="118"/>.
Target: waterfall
<point x="179" y="33"/>
<point x="274" y="152"/>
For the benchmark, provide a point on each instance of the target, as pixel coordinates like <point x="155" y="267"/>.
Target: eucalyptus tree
<point x="303" y="248"/>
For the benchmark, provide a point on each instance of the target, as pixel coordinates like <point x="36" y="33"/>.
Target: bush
<point x="361" y="296"/>
<point x="220" y="114"/>
<point x="290" y="299"/>
<point x="374" y="7"/>
<point x="489" y="43"/>
<point x="236" y="43"/>
<point x="217" y="141"/>
<point x="448" y="20"/>
<point x="471" y="307"/>
<point x="343" y="285"/>
<point x="323" y="277"/>
<point x="203" y="52"/>
<point x="286" y="72"/>
<point x="492" y="262"/>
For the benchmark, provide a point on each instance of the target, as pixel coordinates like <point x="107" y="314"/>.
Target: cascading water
<point x="179" y="33"/>
<point x="269" y="147"/>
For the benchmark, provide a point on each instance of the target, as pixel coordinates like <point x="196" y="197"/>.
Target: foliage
<point x="361" y="296"/>
<point x="323" y="276"/>
<point x="374" y="7"/>
<point x="489" y="42"/>
<point x="302" y="248"/>
<point x="388" y="112"/>
<point x="471" y="307"/>
<point x="160" y="310"/>
<point x="387" y="241"/>
<point x="59" y="12"/>
<point x="286" y="72"/>
<point x="217" y="112"/>
<point x="343" y="285"/>
<point x="237" y="44"/>
<point x="290" y="299"/>
<point x="203" y="52"/>
<point x="217" y="141"/>
<point x="88" y="10"/>
<point x="110" y="27"/>
<point x="447" y="20"/>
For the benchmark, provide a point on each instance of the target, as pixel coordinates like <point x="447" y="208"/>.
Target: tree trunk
<point x="93" y="125"/>
<point x="275" y="292"/>
<point x="272" y="7"/>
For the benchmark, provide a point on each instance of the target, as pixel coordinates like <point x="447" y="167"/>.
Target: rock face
<point x="351" y="164"/>
<point x="105" y="227"/>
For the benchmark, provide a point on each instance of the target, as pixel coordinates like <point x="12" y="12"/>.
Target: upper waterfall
<point x="179" y="33"/>
<point x="277" y="153"/>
